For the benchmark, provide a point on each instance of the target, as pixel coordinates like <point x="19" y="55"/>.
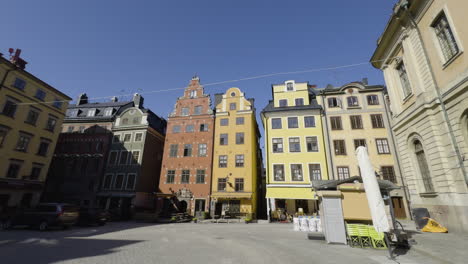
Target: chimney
<point x="82" y="99"/>
<point x="138" y="100"/>
<point x="16" y="60"/>
<point x="114" y="99"/>
<point x="365" y="81"/>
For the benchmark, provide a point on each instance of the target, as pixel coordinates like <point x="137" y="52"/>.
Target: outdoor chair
<point x="364" y="236"/>
<point x="378" y="239"/>
<point x="353" y="235"/>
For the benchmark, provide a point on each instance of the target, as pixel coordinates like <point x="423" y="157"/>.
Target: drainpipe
<point x="405" y="5"/>
<point x="328" y="136"/>
<point x="267" y="169"/>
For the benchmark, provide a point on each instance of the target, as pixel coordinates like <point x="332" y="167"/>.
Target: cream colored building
<point x="421" y="53"/>
<point x="355" y="115"/>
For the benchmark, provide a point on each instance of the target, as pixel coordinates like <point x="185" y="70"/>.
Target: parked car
<point x="91" y="216"/>
<point x="43" y="216"/>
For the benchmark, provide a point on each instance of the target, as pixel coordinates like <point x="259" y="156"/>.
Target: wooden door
<point x="398" y="207"/>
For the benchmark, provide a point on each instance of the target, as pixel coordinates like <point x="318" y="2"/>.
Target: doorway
<point x="398" y="207"/>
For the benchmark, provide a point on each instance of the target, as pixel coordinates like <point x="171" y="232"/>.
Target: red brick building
<point x="186" y="166"/>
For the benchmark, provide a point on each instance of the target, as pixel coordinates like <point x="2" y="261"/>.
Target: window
<point x="91" y="112"/>
<point x="43" y="147"/>
<point x="296" y="172"/>
<point x="290" y="86"/>
<point x="170" y="176"/>
<point x="32" y="117"/>
<point x="222" y="185"/>
<point x="40" y="94"/>
<point x="81" y="129"/>
<point x="312" y="144"/>
<point x="173" y="150"/>
<point x="130" y="182"/>
<point x="377" y="121"/>
<point x="200" y="176"/>
<point x="294" y="144"/>
<point x="127" y="137"/>
<point x="315" y="172"/>
<point x="197" y="110"/>
<point x="116" y="138"/>
<point x="193" y="94"/>
<point x="336" y="123"/>
<point x="292" y="122"/>
<point x="36" y="171"/>
<point x="359" y="143"/>
<point x="343" y="173"/>
<point x="240" y="138"/>
<point x="232" y="106"/>
<point x="223" y="139"/>
<point x="19" y="83"/>
<point x="382" y="146"/>
<point x="203" y="127"/>
<point x="138" y="137"/>
<point x="356" y="121"/>
<point x="185" y="111"/>
<point x="333" y="102"/>
<point x="372" y="99"/>
<point x="224" y="121"/>
<point x="239" y="120"/>
<point x="189" y="128"/>
<point x="423" y="166"/>
<point x="283" y="103"/>
<point x="3" y="134"/>
<point x="276" y="123"/>
<point x="222" y="161"/>
<point x="136" y="120"/>
<point x="108" y="112"/>
<point x="72" y="112"/>
<point x="239" y="185"/>
<point x="202" y="150"/>
<point x="299" y="101"/>
<point x="185" y="176"/>
<point x="13" y="169"/>
<point x="309" y="121"/>
<point x="57" y="103"/>
<point x="176" y="129"/>
<point x="388" y="173"/>
<point x="135" y="157"/>
<point x="113" y="157"/>
<point x="118" y="184"/>
<point x="277" y="145"/>
<point x="278" y="170"/>
<point x="23" y="142"/>
<point x="352" y="101"/>
<point x="123" y="157"/>
<point x="340" y="147"/>
<point x="240" y="160"/>
<point x="444" y="34"/>
<point x="107" y="182"/>
<point x="9" y="109"/>
<point x="51" y="122"/>
<point x="187" y="150"/>
<point x="125" y="121"/>
<point x="405" y="84"/>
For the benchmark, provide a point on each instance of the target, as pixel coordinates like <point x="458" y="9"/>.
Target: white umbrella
<point x="374" y="197"/>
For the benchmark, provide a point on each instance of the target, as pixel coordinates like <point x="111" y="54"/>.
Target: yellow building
<point x="31" y="115"/>
<point x="294" y="148"/>
<point x="236" y="159"/>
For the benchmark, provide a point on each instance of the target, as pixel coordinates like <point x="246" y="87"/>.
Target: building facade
<point x="421" y="53"/>
<point x="355" y="115"/>
<point x="31" y="114"/>
<point x="236" y="173"/>
<point x="188" y="152"/>
<point x="294" y="148"/>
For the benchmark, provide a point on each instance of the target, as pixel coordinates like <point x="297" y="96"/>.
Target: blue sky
<point x="107" y="48"/>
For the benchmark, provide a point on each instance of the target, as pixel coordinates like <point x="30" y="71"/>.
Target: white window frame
<point x="318" y="144"/>
<point x="273" y="172"/>
<point x="293" y="85"/>
<point x="123" y="138"/>
<point x="131" y="157"/>
<point x="302" y="171"/>
<point x="315" y="163"/>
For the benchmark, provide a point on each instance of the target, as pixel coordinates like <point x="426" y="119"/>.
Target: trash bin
<point x="419" y="215"/>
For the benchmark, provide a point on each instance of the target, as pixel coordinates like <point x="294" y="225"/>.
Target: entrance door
<point x="398" y="207"/>
<point x="234" y="207"/>
<point x="199" y="205"/>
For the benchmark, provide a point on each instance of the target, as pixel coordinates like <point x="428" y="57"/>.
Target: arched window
<point x="423" y="166"/>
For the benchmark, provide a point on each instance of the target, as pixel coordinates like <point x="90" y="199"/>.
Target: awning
<point x="232" y="195"/>
<point x="291" y="193"/>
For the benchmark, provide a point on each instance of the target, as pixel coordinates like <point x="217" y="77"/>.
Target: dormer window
<point x="353" y="101"/>
<point x="73" y="113"/>
<point x="299" y="101"/>
<point x="91" y="112"/>
<point x="283" y="103"/>
<point x="289" y="86"/>
<point x="333" y="102"/>
<point x="108" y="112"/>
<point x="193" y="94"/>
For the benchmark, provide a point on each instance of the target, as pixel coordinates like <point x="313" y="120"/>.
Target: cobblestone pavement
<point x="129" y="242"/>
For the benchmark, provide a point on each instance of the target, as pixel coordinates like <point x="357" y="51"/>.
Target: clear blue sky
<point x="107" y="48"/>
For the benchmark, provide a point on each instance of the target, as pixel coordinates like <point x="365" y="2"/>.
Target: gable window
<point x="278" y="172"/>
<point x="185" y="111"/>
<point x="51" y="122"/>
<point x="232" y="106"/>
<point x="127" y="137"/>
<point x="193" y="94"/>
<point x="40" y="94"/>
<point x="377" y="121"/>
<point x="136" y="120"/>
<point x="138" y="137"/>
<point x="170" y="176"/>
<point x="299" y="101"/>
<point x="405" y="84"/>
<point x="312" y="144"/>
<point x="189" y="128"/>
<point x="197" y="110"/>
<point x="283" y="103"/>
<point x="372" y="99"/>
<point x="239" y="120"/>
<point x="185" y="176"/>
<point x="202" y="150"/>
<point x="130" y="181"/>
<point x="277" y="145"/>
<point x="356" y="122"/>
<point x="240" y="160"/>
<point x="294" y="144"/>
<point x="296" y="172"/>
<point x="309" y="121"/>
<point x="23" y="142"/>
<point x="173" y="150"/>
<point x="343" y="173"/>
<point x="444" y="34"/>
<point x="359" y="143"/>
<point x="203" y="127"/>
<point x="239" y="185"/>
<point x="19" y="83"/>
<point x="222" y="161"/>
<point x="333" y="102"/>
<point x="276" y="123"/>
<point x="200" y="176"/>
<point x="382" y="146"/>
<point x="176" y="129"/>
<point x="292" y="122"/>
<point x="315" y="172"/>
<point x="125" y="121"/>
<point x="240" y="138"/>
<point x="32" y="117"/>
<point x="224" y="121"/>
<point x="388" y="173"/>
<point x="352" y="101"/>
<point x="187" y="150"/>
<point x="335" y="122"/>
<point x="107" y="182"/>
<point x="222" y="185"/>
<point x="9" y="109"/>
<point x="223" y="139"/>
<point x="123" y="157"/>
<point x="43" y="147"/>
<point x="423" y="166"/>
<point x="289" y="86"/>
<point x="340" y="147"/>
